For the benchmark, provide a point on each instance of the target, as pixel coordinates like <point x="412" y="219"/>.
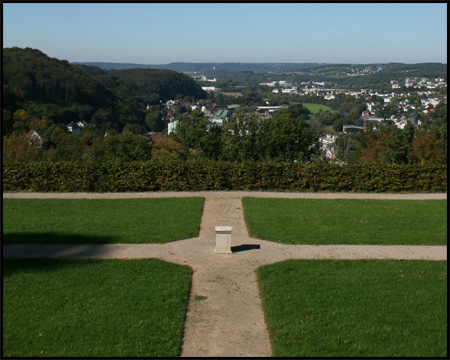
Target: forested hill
<point x="149" y="86"/>
<point x="60" y="92"/>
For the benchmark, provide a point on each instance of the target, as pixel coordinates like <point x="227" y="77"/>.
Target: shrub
<point x="177" y="175"/>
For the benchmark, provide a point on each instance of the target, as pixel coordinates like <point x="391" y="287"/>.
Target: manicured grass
<point x="87" y="308"/>
<point x="356" y="308"/>
<point x="101" y="220"/>
<point x="314" y="108"/>
<point x="347" y="221"/>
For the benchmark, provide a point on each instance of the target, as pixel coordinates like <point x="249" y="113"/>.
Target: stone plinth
<point x="223" y="239"/>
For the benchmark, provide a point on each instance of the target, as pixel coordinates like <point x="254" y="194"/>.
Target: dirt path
<point x="230" y="321"/>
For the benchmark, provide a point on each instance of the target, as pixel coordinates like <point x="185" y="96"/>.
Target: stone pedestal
<point x="223" y="239"/>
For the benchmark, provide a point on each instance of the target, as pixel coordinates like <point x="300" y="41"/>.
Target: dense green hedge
<point x="190" y="176"/>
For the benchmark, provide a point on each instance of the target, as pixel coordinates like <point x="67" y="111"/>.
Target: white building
<point x="289" y="91"/>
<point x="271" y="84"/>
<point x="172" y="126"/>
<point x="401" y="123"/>
<point x="74" y="128"/>
<point x="35" y="138"/>
<point x="409" y="82"/>
<point x="329" y="146"/>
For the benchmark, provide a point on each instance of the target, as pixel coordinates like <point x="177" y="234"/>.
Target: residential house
<point x="352" y="129"/>
<point x="289" y="91"/>
<point x="35" y="138"/>
<point x="211" y="109"/>
<point x="74" y="128"/>
<point x="232" y="94"/>
<point x="219" y="117"/>
<point x="270" y="109"/>
<point x="401" y="123"/>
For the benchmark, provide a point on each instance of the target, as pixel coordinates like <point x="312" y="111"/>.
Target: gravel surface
<point x="230" y="321"/>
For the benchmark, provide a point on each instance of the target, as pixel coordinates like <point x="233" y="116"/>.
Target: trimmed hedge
<point x="175" y="175"/>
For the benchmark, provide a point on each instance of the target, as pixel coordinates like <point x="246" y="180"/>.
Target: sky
<point x="154" y="33"/>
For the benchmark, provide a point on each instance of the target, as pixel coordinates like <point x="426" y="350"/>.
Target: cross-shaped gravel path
<point x="230" y="321"/>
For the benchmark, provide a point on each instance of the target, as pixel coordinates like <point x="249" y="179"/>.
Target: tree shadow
<point x="245" y="247"/>
<point x="56" y="238"/>
<point x="31" y="252"/>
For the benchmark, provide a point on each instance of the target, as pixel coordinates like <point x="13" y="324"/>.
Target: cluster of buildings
<point x="424" y="82"/>
<point x="220" y="114"/>
<point x="352" y="71"/>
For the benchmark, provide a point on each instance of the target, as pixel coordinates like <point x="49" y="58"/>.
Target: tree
<point x="347" y="147"/>
<point x="198" y="132"/>
<point x="22" y="147"/>
<point x="68" y="148"/>
<point x="401" y="144"/>
<point x="133" y="128"/>
<point x="297" y="110"/>
<point x="102" y="116"/>
<point x="284" y="137"/>
<point x="242" y="138"/>
<point x="153" y="120"/>
<point x="7" y="122"/>
<point x="288" y="138"/>
<point x="123" y="147"/>
<point x="377" y="150"/>
<point x="326" y="117"/>
<point x="165" y="147"/>
<point x="317" y="126"/>
<point x="428" y="148"/>
<point x="389" y="145"/>
<point x="440" y="115"/>
<point x="339" y="123"/>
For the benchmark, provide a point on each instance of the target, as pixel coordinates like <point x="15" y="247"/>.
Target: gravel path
<point x="230" y="321"/>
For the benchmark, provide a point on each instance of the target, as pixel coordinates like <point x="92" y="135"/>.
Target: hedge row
<point x="193" y="176"/>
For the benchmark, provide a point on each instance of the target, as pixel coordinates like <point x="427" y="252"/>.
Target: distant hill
<point x="201" y="67"/>
<point x="148" y="86"/>
<point x="421" y="69"/>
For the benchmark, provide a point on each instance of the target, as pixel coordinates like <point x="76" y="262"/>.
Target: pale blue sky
<point x="149" y="33"/>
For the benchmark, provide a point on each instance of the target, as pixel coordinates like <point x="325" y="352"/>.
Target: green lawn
<point x="101" y="220"/>
<point x="87" y="308"/>
<point x="356" y="308"/>
<point x="345" y="221"/>
<point x="314" y="108"/>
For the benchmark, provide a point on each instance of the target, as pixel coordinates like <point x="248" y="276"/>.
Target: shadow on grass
<point x="26" y="246"/>
<point x="245" y="247"/>
<point x="56" y="238"/>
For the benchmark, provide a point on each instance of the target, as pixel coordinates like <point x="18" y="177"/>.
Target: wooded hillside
<point x="150" y="86"/>
<point x="61" y="93"/>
